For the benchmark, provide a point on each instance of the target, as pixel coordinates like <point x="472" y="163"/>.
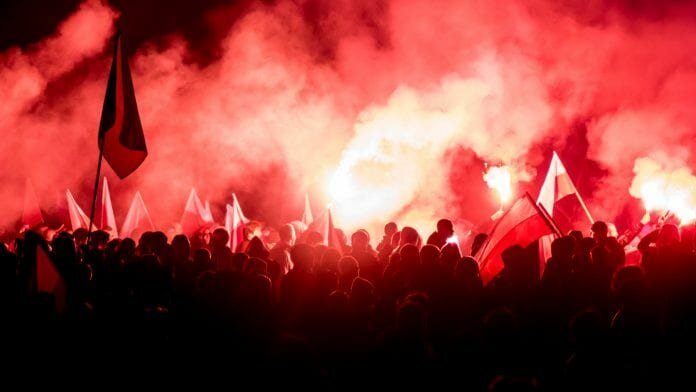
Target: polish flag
<point x="234" y="224"/>
<point x="307" y="217"/>
<point x="78" y="219"/>
<point x="521" y="225"/>
<point x="137" y="220"/>
<point x="557" y="186"/>
<point x="106" y="213"/>
<point x="195" y="215"/>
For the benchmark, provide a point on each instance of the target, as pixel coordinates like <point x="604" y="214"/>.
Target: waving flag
<point x="121" y="137"/>
<point x="106" y="213"/>
<point x="137" y="220"/>
<point x="330" y="237"/>
<point x="196" y="215"/>
<point x="558" y="185"/>
<point x="234" y="224"/>
<point x="307" y="217"/>
<point x="521" y="225"/>
<point x="78" y="219"/>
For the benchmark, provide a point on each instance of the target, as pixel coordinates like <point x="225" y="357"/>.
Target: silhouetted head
<point x="410" y="257"/>
<point x="430" y="255"/>
<point x="287" y="234"/>
<point x="181" y="247"/>
<point x="389" y="229"/>
<point x="513" y="257"/>
<point x="257" y="248"/>
<point x="467" y="269"/>
<point x="302" y="257"/>
<point x="99" y="239"/>
<point x="329" y="260"/>
<point x="127" y="247"/>
<point x="362" y="291"/>
<point x="409" y="235"/>
<point x="600" y="231"/>
<point x="202" y="257"/>
<point x="445" y="228"/>
<point x="220" y="238"/>
<point x="360" y="240"/>
<point x="348" y="265"/>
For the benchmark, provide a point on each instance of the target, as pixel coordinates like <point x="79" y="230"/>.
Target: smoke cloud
<point x="382" y="108"/>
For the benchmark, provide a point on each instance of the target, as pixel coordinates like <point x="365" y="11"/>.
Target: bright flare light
<point x="499" y="179"/>
<point x="662" y="190"/>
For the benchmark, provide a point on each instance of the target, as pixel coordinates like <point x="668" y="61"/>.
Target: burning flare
<point x="665" y="191"/>
<point x="499" y="179"/>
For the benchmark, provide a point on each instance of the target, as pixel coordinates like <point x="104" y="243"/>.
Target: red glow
<point x="363" y="114"/>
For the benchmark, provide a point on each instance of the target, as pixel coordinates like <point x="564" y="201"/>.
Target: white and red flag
<point x="523" y="223"/>
<point x="107" y="219"/>
<point x="307" y="217"/>
<point x="137" y="220"/>
<point x="78" y="219"/>
<point x="558" y="186"/>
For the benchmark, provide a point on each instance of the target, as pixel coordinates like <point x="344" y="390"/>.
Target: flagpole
<point x="96" y="188"/>
<point x="584" y="207"/>
<point x="545" y="215"/>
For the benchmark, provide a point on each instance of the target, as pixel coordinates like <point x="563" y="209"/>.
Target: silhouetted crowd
<point x="395" y="313"/>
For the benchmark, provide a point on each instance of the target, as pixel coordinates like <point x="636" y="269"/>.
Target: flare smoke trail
<point x="382" y="107"/>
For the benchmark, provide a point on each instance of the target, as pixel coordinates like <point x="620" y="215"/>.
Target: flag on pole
<point x="196" y="214"/>
<point x="107" y="218"/>
<point x="31" y="214"/>
<point x="307" y="217"/>
<point x="331" y="239"/>
<point x="207" y="213"/>
<point x="234" y="224"/>
<point x="239" y="209"/>
<point x="78" y="219"/>
<point x="557" y="186"/>
<point x="137" y="220"/>
<point x="48" y="279"/>
<point x="121" y="135"/>
<point x="521" y="225"/>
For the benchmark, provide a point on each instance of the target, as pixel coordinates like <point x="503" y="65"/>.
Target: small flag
<point x="137" y="220"/>
<point x="234" y="224"/>
<point x="239" y="209"/>
<point x="106" y="213"/>
<point x="195" y="214"/>
<point x="78" y="219"/>
<point x="307" y="217"/>
<point x="121" y="135"/>
<point x="31" y="214"/>
<point x="331" y="239"/>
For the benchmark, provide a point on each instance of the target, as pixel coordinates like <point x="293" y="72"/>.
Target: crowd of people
<point x="397" y="312"/>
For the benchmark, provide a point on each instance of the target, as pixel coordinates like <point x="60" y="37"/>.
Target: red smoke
<point x="432" y="87"/>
